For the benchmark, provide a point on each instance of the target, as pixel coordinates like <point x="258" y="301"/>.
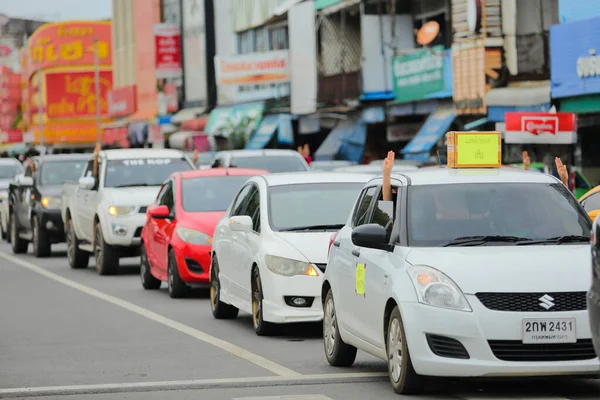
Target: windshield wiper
<point x="313" y="228"/>
<point x="133" y="185"/>
<point x="561" y="240"/>
<point x="479" y="240"/>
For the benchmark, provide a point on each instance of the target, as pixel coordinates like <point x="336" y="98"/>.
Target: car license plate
<point x="549" y="330"/>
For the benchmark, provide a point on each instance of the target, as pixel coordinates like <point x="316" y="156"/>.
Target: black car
<point x="34" y="202"/>
<point x="593" y="299"/>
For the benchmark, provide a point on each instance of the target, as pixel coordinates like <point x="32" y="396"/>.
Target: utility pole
<point x="40" y="105"/>
<point x="97" y="90"/>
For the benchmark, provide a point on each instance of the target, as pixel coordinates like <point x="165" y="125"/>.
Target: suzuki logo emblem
<point x="546" y="302"/>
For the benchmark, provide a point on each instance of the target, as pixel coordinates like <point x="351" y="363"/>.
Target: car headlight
<point x="120" y="210"/>
<point x="192" y="236"/>
<point x="436" y="289"/>
<point x="289" y="267"/>
<point x="51" y="202"/>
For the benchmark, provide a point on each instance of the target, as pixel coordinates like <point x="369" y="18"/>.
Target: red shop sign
<point x="540" y="127"/>
<point x="11" y="136"/>
<point x="167" y="39"/>
<point x="122" y="101"/>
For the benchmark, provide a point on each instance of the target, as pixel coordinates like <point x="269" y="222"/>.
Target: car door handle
<point x="336" y="244"/>
<point x="356" y="253"/>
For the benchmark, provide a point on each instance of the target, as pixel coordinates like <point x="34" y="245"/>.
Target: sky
<point x="57" y="10"/>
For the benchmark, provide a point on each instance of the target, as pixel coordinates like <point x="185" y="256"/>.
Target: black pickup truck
<point x="34" y="202"/>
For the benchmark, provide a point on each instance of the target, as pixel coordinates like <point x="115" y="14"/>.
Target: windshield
<point x="56" y="173"/>
<point x="142" y="171"/>
<point x="9" y="171"/>
<point x="311" y="204"/>
<point x="270" y="163"/>
<point x="206" y="194"/>
<point x="438" y="214"/>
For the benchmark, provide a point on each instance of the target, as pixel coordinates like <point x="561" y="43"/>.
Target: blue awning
<point x="432" y="130"/>
<point x="345" y="142"/>
<point x="476" y="124"/>
<point x="264" y="133"/>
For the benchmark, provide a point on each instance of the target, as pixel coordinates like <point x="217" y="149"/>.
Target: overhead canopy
<point x="225" y="120"/>
<point x="518" y="96"/>
<point x="187" y="114"/>
<point x="345" y="142"/>
<point x="264" y="133"/>
<point x="434" y="128"/>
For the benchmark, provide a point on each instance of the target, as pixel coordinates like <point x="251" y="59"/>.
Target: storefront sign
<point x="73" y="94"/>
<point x="70" y="43"/>
<point x="418" y="74"/>
<point x="545" y="128"/>
<point x="11" y="136"/>
<point x="68" y="132"/>
<point x="122" y="101"/>
<point x="574" y="59"/>
<point x="224" y="121"/>
<point x="167" y="38"/>
<point x="256" y="72"/>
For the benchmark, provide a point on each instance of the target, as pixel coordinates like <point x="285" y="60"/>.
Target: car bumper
<point x="124" y="231"/>
<point x="593" y="303"/>
<point x="51" y="221"/>
<point x="193" y="262"/>
<point x="487" y="335"/>
<point x="277" y="288"/>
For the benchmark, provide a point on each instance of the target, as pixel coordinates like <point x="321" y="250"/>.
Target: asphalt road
<point x="73" y="334"/>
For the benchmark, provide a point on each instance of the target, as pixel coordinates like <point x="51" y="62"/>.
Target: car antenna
<point x="438" y="157"/>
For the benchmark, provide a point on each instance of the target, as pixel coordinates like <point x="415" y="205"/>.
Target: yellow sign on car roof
<point x="474" y="149"/>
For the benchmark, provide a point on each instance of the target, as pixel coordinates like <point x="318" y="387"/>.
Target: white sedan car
<point x="9" y="169"/>
<point x="270" y="250"/>
<point x="480" y="273"/>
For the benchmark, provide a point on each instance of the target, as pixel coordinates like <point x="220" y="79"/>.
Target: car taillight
<point x="331" y="240"/>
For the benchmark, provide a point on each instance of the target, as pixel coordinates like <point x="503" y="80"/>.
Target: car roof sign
<point x="474" y="149"/>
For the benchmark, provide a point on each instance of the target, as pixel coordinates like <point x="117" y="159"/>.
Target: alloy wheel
<point x="214" y="290"/>
<point x="70" y="249"/>
<point x="329" y="327"/>
<point x="98" y="247"/>
<point x="256" y="302"/>
<point x="36" y="234"/>
<point x="395" y="350"/>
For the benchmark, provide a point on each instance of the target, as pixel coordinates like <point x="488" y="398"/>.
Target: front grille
<point x="138" y="232"/>
<point x="322" y="267"/>
<point x="530" y="302"/>
<point x="443" y="346"/>
<point x="143" y="210"/>
<point x="515" y="350"/>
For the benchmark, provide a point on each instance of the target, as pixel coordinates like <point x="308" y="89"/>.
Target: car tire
<point x="8" y="230"/>
<point x="261" y="327"/>
<point x="3" y="234"/>
<point x="107" y="257"/>
<point x="338" y="353"/>
<point x="177" y="287"/>
<point x="18" y="245"/>
<point x="77" y="258"/>
<point x="402" y="374"/>
<point x="149" y="282"/>
<point x="41" y="241"/>
<point x="219" y="309"/>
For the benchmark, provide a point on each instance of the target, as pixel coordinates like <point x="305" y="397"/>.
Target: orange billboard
<point x="73" y="94"/>
<point x="70" y="43"/>
<point x="67" y="132"/>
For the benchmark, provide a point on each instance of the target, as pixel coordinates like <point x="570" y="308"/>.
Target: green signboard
<point x="320" y="4"/>
<point x="418" y="74"/>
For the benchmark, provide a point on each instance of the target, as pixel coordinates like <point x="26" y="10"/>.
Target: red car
<point x="177" y="237"/>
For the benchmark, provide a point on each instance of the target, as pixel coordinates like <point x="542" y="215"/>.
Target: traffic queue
<point x="470" y="269"/>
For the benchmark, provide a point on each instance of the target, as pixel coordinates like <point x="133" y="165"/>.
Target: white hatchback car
<point x="270" y="250"/>
<point x="483" y="273"/>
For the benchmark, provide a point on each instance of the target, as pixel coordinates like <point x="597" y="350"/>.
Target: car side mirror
<point x="593" y="214"/>
<point x="87" y="182"/>
<point x="241" y="223"/>
<point x="23" y="180"/>
<point x="159" y="212"/>
<point x="372" y="236"/>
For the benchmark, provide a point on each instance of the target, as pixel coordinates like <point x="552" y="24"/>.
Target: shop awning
<point x="332" y="6"/>
<point x="345" y="142"/>
<point x="142" y="115"/>
<point x="518" y="96"/>
<point x="187" y="114"/>
<point x="476" y="124"/>
<point x="264" y="133"/>
<point x="431" y="132"/>
<point x="225" y="120"/>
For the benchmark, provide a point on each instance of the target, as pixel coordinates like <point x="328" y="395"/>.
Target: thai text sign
<point x="70" y="43"/>
<point x="255" y="68"/>
<point x="73" y="94"/>
<point x="168" y="50"/>
<point x="474" y="149"/>
<point x="418" y="74"/>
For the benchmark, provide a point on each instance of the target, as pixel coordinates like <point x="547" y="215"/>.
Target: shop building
<point x="59" y="72"/>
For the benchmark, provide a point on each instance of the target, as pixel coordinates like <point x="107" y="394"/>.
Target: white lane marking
<point x="287" y="397"/>
<point x="195" y="333"/>
<point x="110" y="387"/>
<point x="496" y="397"/>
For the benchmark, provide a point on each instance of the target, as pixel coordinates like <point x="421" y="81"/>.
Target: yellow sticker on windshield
<point x="360" y="279"/>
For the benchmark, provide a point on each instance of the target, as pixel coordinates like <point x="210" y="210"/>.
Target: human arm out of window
<point x="388" y="164"/>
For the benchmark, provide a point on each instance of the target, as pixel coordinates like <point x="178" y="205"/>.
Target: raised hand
<point x="526" y="160"/>
<point x="388" y="163"/>
<point x="562" y="171"/>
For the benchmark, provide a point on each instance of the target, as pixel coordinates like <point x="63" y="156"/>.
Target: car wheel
<point x="77" y="258"/>
<point x="18" y="245"/>
<point x="149" y="282"/>
<point x="261" y="327"/>
<point x="338" y="353"/>
<point x="177" y="287"/>
<point x="402" y="375"/>
<point x="219" y="309"/>
<point x="107" y="257"/>
<point x="3" y="233"/>
<point x="41" y="241"/>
